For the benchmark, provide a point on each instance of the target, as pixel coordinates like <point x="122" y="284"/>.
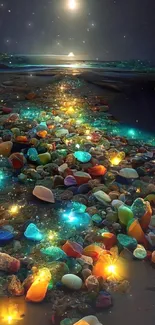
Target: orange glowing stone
<point x="38" y="289"/>
<point x="134" y="230"/>
<point x="145" y="220"/>
<point x="21" y="138"/>
<point x="42" y="134"/>
<point x="97" y="170"/>
<point x="93" y="251"/>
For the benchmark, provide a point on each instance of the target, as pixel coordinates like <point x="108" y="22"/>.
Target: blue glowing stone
<point x="33" y="233"/>
<point x="32" y="154"/>
<point x="78" y="220"/>
<point x="55" y="253"/>
<point x="82" y="156"/>
<point x="5" y="236"/>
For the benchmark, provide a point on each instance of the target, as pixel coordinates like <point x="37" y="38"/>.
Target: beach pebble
<point x="128" y="173"/>
<point x="43" y="194"/>
<point x="5" y="148"/>
<point x="102" y="197"/>
<point x="15" y="287"/>
<point x="72" y="281"/>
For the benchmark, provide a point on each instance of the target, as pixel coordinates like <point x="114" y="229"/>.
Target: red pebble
<point x="6" y="110"/>
<point x="109" y="240"/>
<point x="72" y="249"/>
<point x="17" y="160"/>
<point x="98" y="170"/>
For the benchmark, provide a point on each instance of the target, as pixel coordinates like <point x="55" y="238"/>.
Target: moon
<point x="72" y="4"/>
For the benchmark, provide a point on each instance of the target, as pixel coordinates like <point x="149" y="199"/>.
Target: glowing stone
<point x="33" y="233"/>
<point x="32" y="154"/>
<point x="134" y="230"/>
<point x="38" y="289"/>
<point x="5" y="236"/>
<point x="76" y="219"/>
<point x="72" y="249"/>
<point x="29" y="113"/>
<point x="54" y="253"/>
<point x="125" y="241"/>
<point x="43" y="193"/>
<point x="115" y="157"/>
<point x="98" y="170"/>
<point x="79" y="207"/>
<point x="125" y="214"/>
<point x="93" y="251"/>
<point x="82" y="156"/>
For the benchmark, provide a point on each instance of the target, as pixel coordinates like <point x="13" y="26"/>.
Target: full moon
<point x="71" y="55"/>
<point x="72" y="4"/>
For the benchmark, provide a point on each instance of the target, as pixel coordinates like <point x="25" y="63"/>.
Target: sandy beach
<point x="131" y="103"/>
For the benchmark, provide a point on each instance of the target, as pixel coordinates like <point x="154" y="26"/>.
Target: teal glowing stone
<point x="55" y="253"/>
<point x="29" y="113"/>
<point x="32" y="154"/>
<point x="33" y="233"/>
<point x="82" y="156"/>
<point x="77" y="220"/>
<point x="78" y="207"/>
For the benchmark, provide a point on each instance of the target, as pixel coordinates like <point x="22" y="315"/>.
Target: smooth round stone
<point x="5" y="148"/>
<point x="61" y="133"/>
<point x="125" y="214"/>
<point x="74" y="189"/>
<point x="128" y="173"/>
<point x="5" y="236"/>
<point x="125" y="241"/>
<point x="82" y="177"/>
<point x="70" y="180"/>
<point x="44" y="158"/>
<point x="140" y="253"/>
<point x="62" y="168"/>
<point x="72" y="281"/>
<point x="84" y="189"/>
<point x="98" y="170"/>
<point x="82" y="156"/>
<point x="102" y="197"/>
<point x="43" y="194"/>
<point x="116" y="204"/>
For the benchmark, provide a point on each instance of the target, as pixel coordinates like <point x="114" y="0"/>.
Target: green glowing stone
<point x="125" y="214"/>
<point x="79" y="207"/>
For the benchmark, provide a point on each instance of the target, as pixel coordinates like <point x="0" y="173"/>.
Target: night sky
<point x="104" y="29"/>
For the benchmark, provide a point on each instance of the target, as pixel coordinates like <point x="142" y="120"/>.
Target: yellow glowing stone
<point x="14" y="209"/>
<point x="111" y="269"/>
